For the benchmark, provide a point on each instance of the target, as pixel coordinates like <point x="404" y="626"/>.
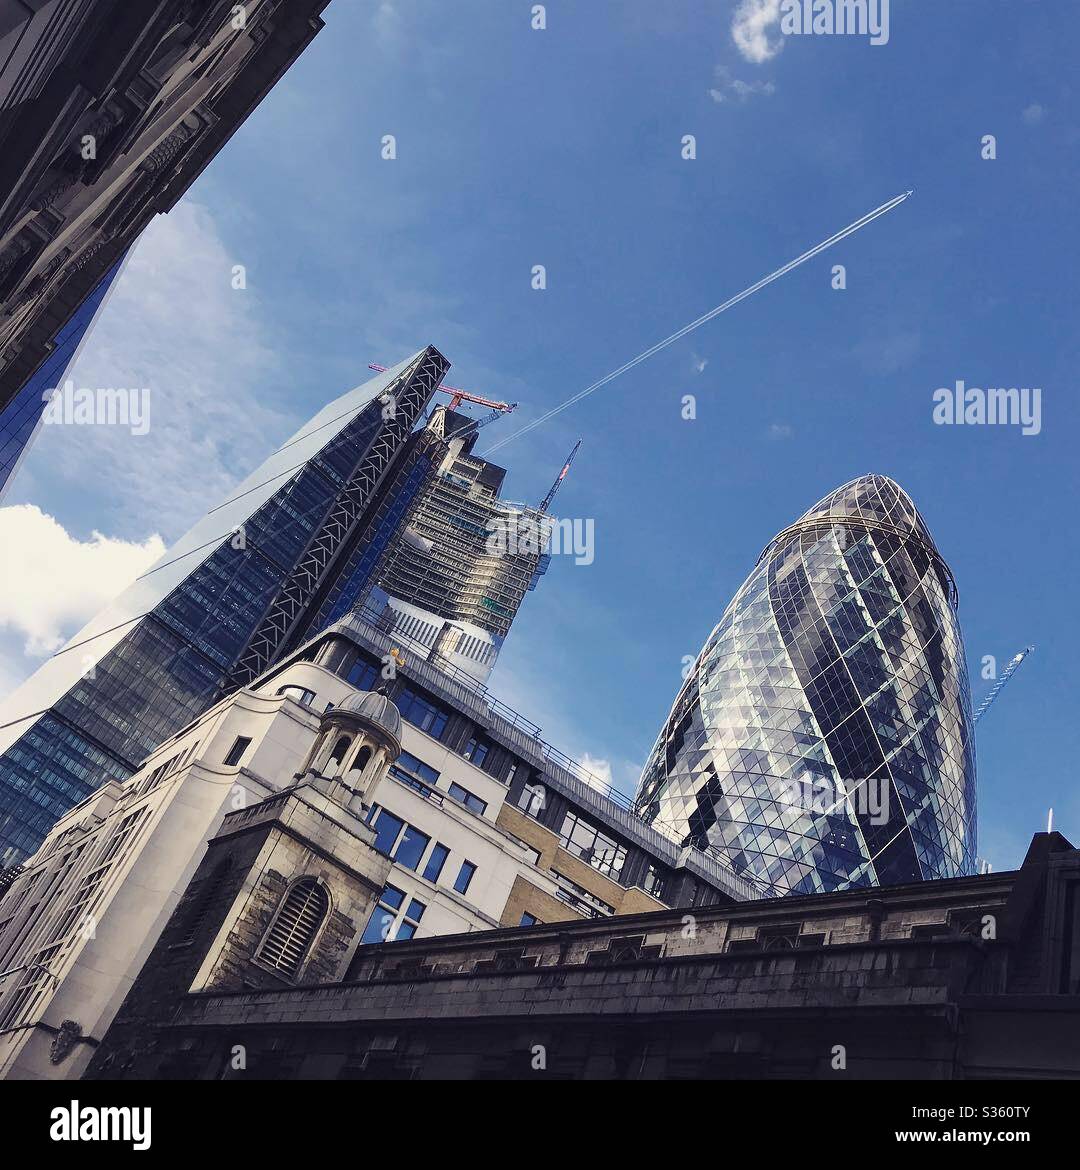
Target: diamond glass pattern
<point x="838" y="670"/>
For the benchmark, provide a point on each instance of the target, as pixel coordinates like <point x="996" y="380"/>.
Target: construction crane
<point x="457" y="397"/>
<point x="995" y="690"/>
<point x="476" y="423"/>
<point x="546" y="503"/>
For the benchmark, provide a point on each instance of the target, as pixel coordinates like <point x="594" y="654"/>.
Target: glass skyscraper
<point x="823" y="739"/>
<point x="20" y="417"/>
<point x="245" y="585"/>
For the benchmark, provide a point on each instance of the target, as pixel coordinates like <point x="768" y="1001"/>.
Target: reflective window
<point x="300" y="694"/>
<point x="531" y="799"/>
<point x="422" y="713"/>
<point x="471" y="802"/>
<point x="476" y="751"/>
<point x="654" y="882"/>
<point x="380" y="927"/>
<point x="412" y="847"/>
<point x="465" y="877"/>
<point x="409" y="769"/>
<point x="362" y="675"/>
<point x="387" y="828"/>
<point x="436" y="861"/>
<point x="236" y="752"/>
<point x="587" y="841"/>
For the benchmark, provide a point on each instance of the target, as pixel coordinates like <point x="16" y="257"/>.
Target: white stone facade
<point x="79" y="921"/>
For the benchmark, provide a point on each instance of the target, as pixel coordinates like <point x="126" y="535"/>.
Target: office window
<point x="511" y="774"/>
<point x="471" y="802"/>
<point x="580" y="898"/>
<point x="422" y="713"/>
<point x="409" y="770"/>
<point x="407" y="926"/>
<point x="586" y="841"/>
<point x="380" y="925"/>
<point x="464" y="877"/>
<point x="387" y="828"/>
<point x="362" y="675"/>
<point x="654" y="882"/>
<point x="476" y="750"/>
<point x="412" y="847"/>
<point x="237" y="750"/>
<point x="528" y="919"/>
<point x="531" y="799"/>
<point x="436" y="862"/>
<point x="300" y="694"/>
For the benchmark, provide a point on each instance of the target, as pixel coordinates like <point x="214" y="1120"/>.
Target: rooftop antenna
<point x="546" y="502"/>
<point x="1050" y="821"/>
<point x="995" y="690"/>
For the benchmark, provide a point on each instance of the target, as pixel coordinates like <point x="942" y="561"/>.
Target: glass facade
<point x="823" y="739"/>
<point x="20" y="417"/>
<point x="235" y="592"/>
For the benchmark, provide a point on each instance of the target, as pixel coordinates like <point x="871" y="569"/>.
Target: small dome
<point x="375" y="711"/>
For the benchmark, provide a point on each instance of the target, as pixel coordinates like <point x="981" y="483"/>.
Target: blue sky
<point x="562" y="147"/>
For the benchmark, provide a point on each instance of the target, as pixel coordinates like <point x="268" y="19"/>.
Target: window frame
<point x="468" y="869"/>
<point x="229" y="761"/>
<point x="610" y="861"/>
<point x="438" y="847"/>
<point x="469" y="796"/>
<point x="410" y="699"/>
<point x="293" y="976"/>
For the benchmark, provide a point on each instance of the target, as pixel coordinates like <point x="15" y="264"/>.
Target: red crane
<point x="546" y="502"/>
<point x="457" y="397"/>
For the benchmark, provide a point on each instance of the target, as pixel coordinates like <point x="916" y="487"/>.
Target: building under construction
<point x="455" y="580"/>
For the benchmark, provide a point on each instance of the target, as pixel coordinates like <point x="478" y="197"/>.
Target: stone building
<point x="973" y="977"/>
<point x="81" y="916"/>
<point x="452" y="821"/>
<point x="109" y="111"/>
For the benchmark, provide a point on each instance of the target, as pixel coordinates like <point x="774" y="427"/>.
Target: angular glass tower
<point x="19" y="419"/>
<point x="286" y="551"/>
<point x="824" y="738"/>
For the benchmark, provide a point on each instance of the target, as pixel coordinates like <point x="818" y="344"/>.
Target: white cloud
<point x="601" y="769"/>
<point x="750" y="28"/>
<point x="175" y="326"/>
<point x="1034" y="114"/>
<point x="699" y="363"/>
<point x="728" y="88"/>
<point x="56" y="583"/>
<point x="779" y="431"/>
<point x="387" y="23"/>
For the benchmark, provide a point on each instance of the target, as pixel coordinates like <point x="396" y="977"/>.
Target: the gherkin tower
<point x="824" y="736"/>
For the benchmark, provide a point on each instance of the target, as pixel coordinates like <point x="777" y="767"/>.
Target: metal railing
<point x="588" y="789"/>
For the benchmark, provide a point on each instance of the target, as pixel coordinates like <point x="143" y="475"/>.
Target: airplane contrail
<point x="808" y="255"/>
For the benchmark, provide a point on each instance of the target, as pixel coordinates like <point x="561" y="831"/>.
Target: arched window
<point x="778" y="942"/>
<point x="297" y="922"/>
<point x="340" y="748"/>
<point x="362" y="757"/>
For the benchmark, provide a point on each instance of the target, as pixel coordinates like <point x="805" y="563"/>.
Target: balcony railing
<point x="522" y="735"/>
